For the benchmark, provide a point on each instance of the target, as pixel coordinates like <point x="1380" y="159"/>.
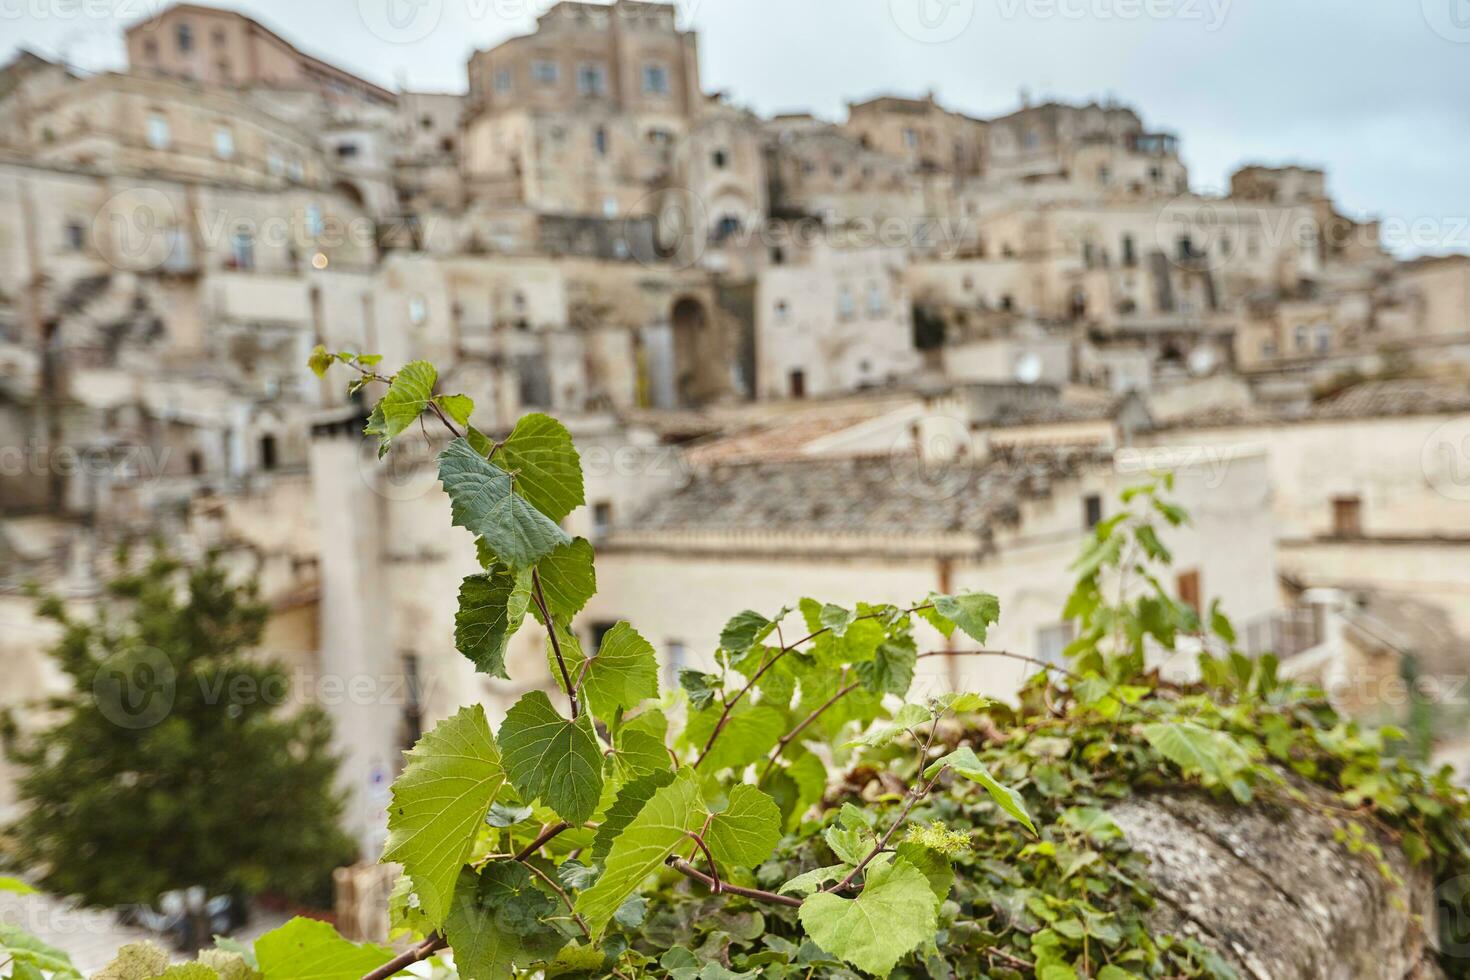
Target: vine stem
<point x="547" y="833"/>
<point x="914" y="797"/>
<point x="724" y="718"/>
<point x="567" y="899"/>
<point x="566" y="678"/>
<point x="802" y="726"/>
<point x="725" y="888"/>
<point x="407" y="958"/>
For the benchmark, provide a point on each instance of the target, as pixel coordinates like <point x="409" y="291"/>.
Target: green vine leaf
<point x="402" y="404"/>
<point x="1198" y="751"/>
<point x="702" y="688"/>
<point x="891" y="671"/>
<point x="439" y="800"/>
<point x="548" y="470"/>
<point x="568" y="579"/>
<point x="482" y="501"/>
<point x="964" y="761"/>
<point x="491" y="608"/>
<point x="31" y="954"/>
<point x="746" y="832"/>
<point x="973" y="612"/>
<point x="749" y="735"/>
<point x="894" y="915"/>
<point x="305" y="949"/>
<point x="639" y="753"/>
<point x="497" y="922"/>
<point x="459" y="408"/>
<point x="627" y="805"/>
<point x="660" y="827"/>
<point x="552" y="758"/>
<point x="745" y="630"/>
<point x="622" y="674"/>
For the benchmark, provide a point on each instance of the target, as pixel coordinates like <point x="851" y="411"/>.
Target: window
<point x="599" y="633"/>
<point x="911" y="138"/>
<point x="660" y="137"/>
<point x="502" y="80"/>
<point x="727" y="227"/>
<point x="1104" y="175"/>
<point x="602" y="518"/>
<point x="184" y="35"/>
<point x="1301" y="338"/>
<point x="76" y="236"/>
<point x="158" y="134"/>
<point x="224" y="143"/>
<point x="876" y="302"/>
<point x="150" y="49"/>
<point x="219" y="37"/>
<point x="1092" y="510"/>
<point x="413" y="702"/>
<point x="242" y="249"/>
<point x="609" y="207"/>
<point x="268" y="452"/>
<point x="796" y="383"/>
<point x="1051" y="643"/>
<point x="677" y="659"/>
<point x="346" y="151"/>
<point x="655" y="79"/>
<point x="294" y="169"/>
<point x="720" y="159"/>
<point x="1189" y="590"/>
<point x="314" y="220"/>
<point x="599" y="140"/>
<point x="846" y="305"/>
<point x="545" y="72"/>
<point x="1347" y="514"/>
<point x="783" y="311"/>
<point x="273" y="163"/>
<point x="591" y="80"/>
<point x="418" y="310"/>
<point x="1324" y="338"/>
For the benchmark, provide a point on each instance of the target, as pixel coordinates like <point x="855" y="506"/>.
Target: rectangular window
<point x="1092" y="510"/>
<point x="76" y="236"/>
<point x="185" y="37"/>
<point x="158" y="134"/>
<point x="224" y="143"/>
<point x="1347" y="516"/>
<point x="591" y="80"/>
<point x="599" y="141"/>
<point x="545" y="72"/>
<point x="846" y="305"/>
<point x="797" y="382"/>
<point x="502" y="81"/>
<point x="655" y="79"/>
<point x="1051" y="643"/>
<point x="677" y="660"/>
<point x="1189" y="590"/>
<point x="602" y="518"/>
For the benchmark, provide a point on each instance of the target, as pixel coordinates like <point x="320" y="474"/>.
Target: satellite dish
<point x="1202" y="361"/>
<point x="1028" y="368"/>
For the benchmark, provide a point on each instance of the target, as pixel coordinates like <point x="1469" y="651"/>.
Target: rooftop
<point x="896" y="495"/>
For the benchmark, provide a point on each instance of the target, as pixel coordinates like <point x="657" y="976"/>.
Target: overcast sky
<point x="1377" y="91"/>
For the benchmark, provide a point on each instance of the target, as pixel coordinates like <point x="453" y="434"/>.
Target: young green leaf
<point x="551" y="757"/>
<point x="891" y="671"/>
<point x="660" y="827"/>
<point x="638" y="753"/>
<point x="744" y="631"/>
<point x="548" y="470"/>
<point x="459" y="408"/>
<point x="439" y="800"/>
<point x="964" y="761"/>
<point x="482" y="501"/>
<point x="746" y="832"/>
<point x="701" y="687"/>
<point x="622" y="674"/>
<point x="306" y="949"/>
<point x="404" y="402"/>
<point x="895" y="913"/>
<point x="490" y="611"/>
<point x="629" y="802"/>
<point x="973" y="612"/>
<point x="1198" y="750"/>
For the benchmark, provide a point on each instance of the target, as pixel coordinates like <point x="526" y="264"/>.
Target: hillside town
<point x="906" y="351"/>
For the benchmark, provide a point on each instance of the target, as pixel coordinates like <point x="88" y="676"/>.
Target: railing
<point x="1285" y="632"/>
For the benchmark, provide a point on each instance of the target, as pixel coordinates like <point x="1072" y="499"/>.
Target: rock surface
<point x="1269" y="887"/>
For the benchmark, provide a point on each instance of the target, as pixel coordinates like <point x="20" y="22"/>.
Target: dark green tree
<point x="179" y="758"/>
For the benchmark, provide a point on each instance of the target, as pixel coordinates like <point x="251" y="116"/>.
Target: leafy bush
<point x="589" y="836"/>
